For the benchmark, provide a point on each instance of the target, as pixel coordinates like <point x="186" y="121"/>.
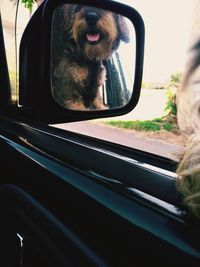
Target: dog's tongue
<point x="93" y="37"/>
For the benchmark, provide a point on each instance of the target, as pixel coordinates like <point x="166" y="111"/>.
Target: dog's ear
<point x="68" y="14"/>
<point x="123" y="29"/>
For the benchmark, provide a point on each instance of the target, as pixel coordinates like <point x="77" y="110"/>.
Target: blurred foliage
<point x="175" y="80"/>
<point x="170" y="107"/>
<point x="29" y="3"/>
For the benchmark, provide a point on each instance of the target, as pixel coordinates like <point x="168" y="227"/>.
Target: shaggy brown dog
<point x="188" y="180"/>
<point x="83" y="38"/>
<point x="188" y="171"/>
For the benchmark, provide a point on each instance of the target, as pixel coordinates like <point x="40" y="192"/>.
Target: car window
<point x="152" y="125"/>
<point x="13" y="27"/>
<point x="8" y="21"/>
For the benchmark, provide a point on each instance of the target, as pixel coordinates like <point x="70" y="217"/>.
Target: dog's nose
<point x="92" y="18"/>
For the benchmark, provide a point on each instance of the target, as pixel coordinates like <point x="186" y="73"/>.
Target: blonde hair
<point x="188" y="177"/>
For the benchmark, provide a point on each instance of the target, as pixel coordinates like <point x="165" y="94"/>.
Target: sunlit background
<point x="168" y="26"/>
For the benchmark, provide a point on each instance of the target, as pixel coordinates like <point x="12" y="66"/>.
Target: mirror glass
<point x="93" y="58"/>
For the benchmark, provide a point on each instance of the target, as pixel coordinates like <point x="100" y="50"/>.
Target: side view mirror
<point x="89" y="60"/>
<point x="93" y="56"/>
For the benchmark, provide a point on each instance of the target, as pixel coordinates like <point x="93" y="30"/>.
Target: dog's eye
<point x="78" y="8"/>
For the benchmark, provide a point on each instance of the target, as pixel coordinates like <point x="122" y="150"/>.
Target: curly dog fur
<point x="188" y="171"/>
<point x="83" y="38"/>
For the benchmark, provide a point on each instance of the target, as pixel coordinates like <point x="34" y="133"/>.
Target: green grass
<point x="157" y="120"/>
<point x="168" y="126"/>
<point x="148" y="125"/>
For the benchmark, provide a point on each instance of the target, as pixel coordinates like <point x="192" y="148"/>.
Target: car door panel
<point x="117" y="225"/>
<point x="43" y="140"/>
<point x="44" y="232"/>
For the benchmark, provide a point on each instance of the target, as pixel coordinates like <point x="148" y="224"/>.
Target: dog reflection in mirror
<point x="83" y="38"/>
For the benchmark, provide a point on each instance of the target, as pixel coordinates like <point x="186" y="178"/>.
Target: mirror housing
<point x="35" y="76"/>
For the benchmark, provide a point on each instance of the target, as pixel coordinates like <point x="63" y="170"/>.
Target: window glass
<point x="152" y="126"/>
<point x="169" y="27"/>
<point x="8" y="11"/>
<point x="13" y="28"/>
